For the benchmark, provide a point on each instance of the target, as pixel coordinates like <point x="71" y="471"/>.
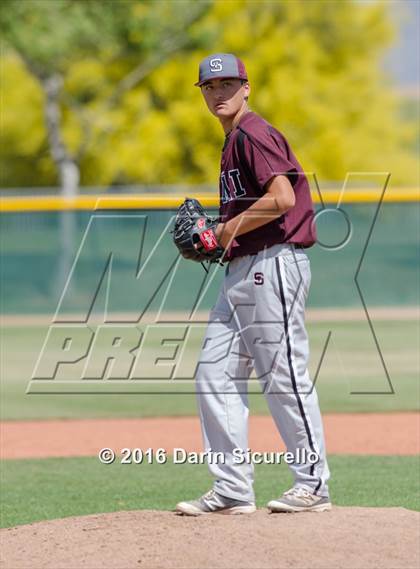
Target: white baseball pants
<point x="258" y="322"/>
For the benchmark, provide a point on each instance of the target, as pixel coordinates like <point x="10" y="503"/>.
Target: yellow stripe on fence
<point x="165" y="201"/>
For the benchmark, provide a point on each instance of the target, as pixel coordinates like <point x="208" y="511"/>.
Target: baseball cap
<point x="221" y="66"/>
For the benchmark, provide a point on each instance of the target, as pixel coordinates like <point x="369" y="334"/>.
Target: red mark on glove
<point x="208" y="239"/>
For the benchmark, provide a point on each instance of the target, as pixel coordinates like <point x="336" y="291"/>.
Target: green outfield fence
<point x="42" y="236"/>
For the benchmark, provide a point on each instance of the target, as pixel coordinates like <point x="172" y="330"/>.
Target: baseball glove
<point x="194" y="233"/>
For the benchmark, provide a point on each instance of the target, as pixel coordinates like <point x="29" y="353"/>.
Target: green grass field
<point x="51" y="488"/>
<point x="35" y="490"/>
<point x="351" y="363"/>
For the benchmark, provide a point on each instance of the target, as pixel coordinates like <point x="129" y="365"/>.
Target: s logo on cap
<point x="216" y="65"/>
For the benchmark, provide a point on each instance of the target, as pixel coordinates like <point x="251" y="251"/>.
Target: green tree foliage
<point x="130" y="112"/>
<point x="126" y="39"/>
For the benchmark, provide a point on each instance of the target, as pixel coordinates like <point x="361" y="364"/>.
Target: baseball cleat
<point x="213" y="503"/>
<point x="299" y="500"/>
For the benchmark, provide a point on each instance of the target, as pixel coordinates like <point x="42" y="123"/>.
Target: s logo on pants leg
<point x="258" y="278"/>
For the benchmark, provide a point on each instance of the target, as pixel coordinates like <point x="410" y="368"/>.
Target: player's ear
<point x="247" y="90"/>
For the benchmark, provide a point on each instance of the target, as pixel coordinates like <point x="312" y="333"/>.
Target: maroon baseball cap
<point x="221" y="66"/>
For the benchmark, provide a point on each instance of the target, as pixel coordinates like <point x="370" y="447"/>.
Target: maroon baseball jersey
<point x="255" y="152"/>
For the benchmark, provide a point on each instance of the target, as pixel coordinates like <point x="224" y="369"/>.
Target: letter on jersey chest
<point x="231" y="186"/>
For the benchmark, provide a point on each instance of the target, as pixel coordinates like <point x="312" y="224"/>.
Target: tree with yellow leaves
<point x="127" y="40"/>
<point x="129" y="112"/>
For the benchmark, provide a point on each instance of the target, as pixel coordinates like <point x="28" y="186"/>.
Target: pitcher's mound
<point x="344" y="537"/>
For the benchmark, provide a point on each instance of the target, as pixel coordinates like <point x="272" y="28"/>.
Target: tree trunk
<point x="67" y="167"/>
<point x="69" y="175"/>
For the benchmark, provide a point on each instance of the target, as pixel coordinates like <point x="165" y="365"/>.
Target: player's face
<point x="225" y="97"/>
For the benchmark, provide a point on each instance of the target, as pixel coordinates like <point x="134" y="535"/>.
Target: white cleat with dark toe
<point x="213" y="503"/>
<point x="299" y="500"/>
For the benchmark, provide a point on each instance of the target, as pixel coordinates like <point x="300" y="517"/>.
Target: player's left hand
<point x="194" y="233"/>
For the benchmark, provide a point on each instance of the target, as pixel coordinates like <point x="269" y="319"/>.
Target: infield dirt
<point x="343" y="538"/>
<point x="346" y="433"/>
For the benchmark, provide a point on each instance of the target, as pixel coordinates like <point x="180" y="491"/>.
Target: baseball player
<point x="267" y="221"/>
